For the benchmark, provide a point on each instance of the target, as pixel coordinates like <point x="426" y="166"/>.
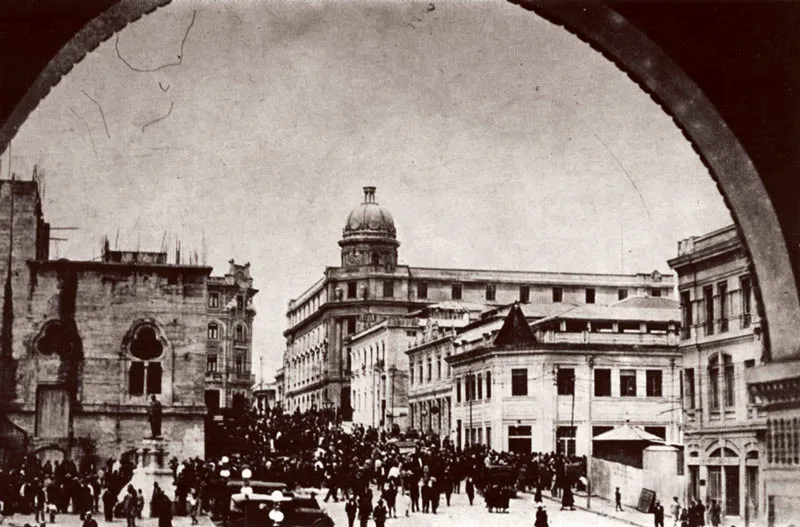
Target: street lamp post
<point x="590" y="360"/>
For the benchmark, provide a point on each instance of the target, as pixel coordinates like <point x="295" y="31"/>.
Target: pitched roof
<point x="649" y="302"/>
<point x="515" y="330"/>
<point x="627" y="432"/>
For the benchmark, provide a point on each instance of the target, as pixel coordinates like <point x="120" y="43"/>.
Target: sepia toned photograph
<point x="310" y="264"/>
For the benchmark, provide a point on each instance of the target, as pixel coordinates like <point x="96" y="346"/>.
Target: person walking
<point x="108" y="505"/>
<point x="658" y="514"/>
<point x="715" y="514"/>
<point x="130" y="507"/>
<point x="541" y="517"/>
<point x="350" y="509"/>
<point x="675" y="511"/>
<point x="379" y="514"/>
<point x="617" y="501"/>
<point x="469" y="488"/>
<point x="537" y="496"/>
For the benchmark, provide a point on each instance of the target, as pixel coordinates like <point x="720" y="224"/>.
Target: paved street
<point x="460" y="514"/>
<point x="72" y="520"/>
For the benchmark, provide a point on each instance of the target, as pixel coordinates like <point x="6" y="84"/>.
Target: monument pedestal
<point x="152" y="457"/>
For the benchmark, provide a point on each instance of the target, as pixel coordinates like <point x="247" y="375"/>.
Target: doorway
<point x="52" y="412"/>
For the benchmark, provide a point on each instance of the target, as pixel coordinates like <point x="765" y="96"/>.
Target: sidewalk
<point x="605" y="508"/>
<point x="72" y="520"/>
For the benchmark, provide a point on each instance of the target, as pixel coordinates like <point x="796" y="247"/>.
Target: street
<point x="521" y="511"/>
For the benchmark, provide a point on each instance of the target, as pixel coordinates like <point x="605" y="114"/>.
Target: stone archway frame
<point x="634" y="53"/>
<point x="167" y="357"/>
<point x="608" y="32"/>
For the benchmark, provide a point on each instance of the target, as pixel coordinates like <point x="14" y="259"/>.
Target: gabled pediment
<point x="516" y="329"/>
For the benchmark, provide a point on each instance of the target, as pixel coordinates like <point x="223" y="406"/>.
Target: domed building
<point x="369" y="236"/>
<point x="369" y="297"/>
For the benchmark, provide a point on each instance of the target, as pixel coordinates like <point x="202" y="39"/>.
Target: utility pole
<point x="590" y="360"/>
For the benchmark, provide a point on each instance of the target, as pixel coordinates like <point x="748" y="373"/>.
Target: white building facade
<point x="554" y="384"/>
<point x="720" y="344"/>
<point x="370" y="285"/>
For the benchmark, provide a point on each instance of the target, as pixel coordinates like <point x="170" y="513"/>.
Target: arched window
<point x="240" y="333"/>
<point x="145" y="373"/>
<point x="375" y="259"/>
<point x="213" y="331"/>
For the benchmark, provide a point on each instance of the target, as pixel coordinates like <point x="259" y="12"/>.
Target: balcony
<point x="214" y="375"/>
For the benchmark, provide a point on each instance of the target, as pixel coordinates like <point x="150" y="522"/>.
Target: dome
<point x="369" y="218"/>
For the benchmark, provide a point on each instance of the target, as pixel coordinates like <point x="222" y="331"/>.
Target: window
<point x="421" y="375"/>
<point x="708" y="298"/>
<point x="239" y="303"/>
<point x="590" y="295"/>
<point x="456" y="292"/>
<point x="730" y="395"/>
<point x="627" y="383"/>
<point x="686" y="314"/>
<point x="713" y="383"/>
<point x="240" y="333"/>
<point x="688" y="388"/>
<point x="153" y="378"/>
<point x="239" y="365"/>
<point x="479" y="386"/>
<point x="519" y="382"/>
<point x="749" y="364"/>
<point x="213" y="300"/>
<point x="565" y="437"/>
<point x="660" y="431"/>
<point x="488" y="386"/>
<point x="558" y="294"/>
<point x="524" y="295"/>
<point x="213" y="331"/>
<point x="491" y="292"/>
<point x="458" y="390"/>
<point x="211" y="364"/>
<point x="422" y="290"/>
<point x="351" y="325"/>
<point x="489" y="437"/>
<point x="653" y="378"/>
<point x="388" y="289"/>
<point x="411" y="374"/>
<point x="352" y="289"/>
<point x="622" y="294"/>
<point x="144" y="376"/>
<point x="602" y="382"/>
<point x="722" y="293"/>
<point x="566" y="381"/>
<point x="744" y="284"/>
<point x="438" y="367"/>
<point x="656" y="292"/>
<point x="430" y="369"/>
<point x="468" y="393"/>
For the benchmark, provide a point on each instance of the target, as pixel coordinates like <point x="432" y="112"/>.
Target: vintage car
<point x="283" y="508"/>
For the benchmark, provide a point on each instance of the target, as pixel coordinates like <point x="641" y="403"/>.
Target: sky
<point x="496" y="139"/>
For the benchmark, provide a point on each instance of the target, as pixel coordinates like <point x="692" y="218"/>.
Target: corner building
<point x="85" y="344"/>
<point x="370" y="286"/>
<point x="721" y="344"/>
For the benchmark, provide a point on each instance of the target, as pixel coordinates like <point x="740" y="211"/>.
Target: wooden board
<point x="646" y="499"/>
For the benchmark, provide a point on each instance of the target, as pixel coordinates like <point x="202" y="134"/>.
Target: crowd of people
<point x="380" y="475"/>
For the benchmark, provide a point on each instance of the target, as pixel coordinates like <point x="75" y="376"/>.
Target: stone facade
<point x="720" y="345"/>
<point x="85" y="344"/>
<point x="370" y="286"/>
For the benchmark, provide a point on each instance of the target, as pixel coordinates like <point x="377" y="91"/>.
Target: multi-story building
<point x="370" y="285"/>
<point x="379" y="372"/>
<point x="720" y="344"/>
<point x="429" y="381"/>
<point x="85" y="344"/>
<point x="265" y="395"/>
<point x="553" y="384"/>
<point x="229" y="338"/>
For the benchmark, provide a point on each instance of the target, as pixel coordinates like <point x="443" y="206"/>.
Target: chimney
<point x="369" y="194"/>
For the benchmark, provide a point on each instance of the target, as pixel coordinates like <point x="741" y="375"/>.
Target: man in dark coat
<point x="541" y="517"/>
<point x="350" y="508"/>
<point x="470" y="489"/>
